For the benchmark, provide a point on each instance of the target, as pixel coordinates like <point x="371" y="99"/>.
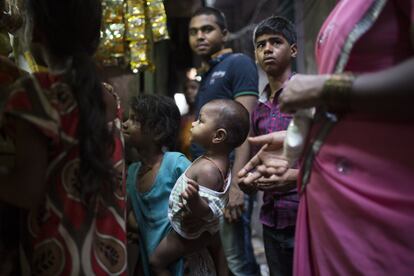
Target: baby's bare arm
<point x="207" y="175"/>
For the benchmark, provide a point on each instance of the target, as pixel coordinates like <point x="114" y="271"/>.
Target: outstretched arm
<point x="388" y="92"/>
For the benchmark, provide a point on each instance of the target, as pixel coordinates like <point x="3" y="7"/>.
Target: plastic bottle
<point x="296" y="134"/>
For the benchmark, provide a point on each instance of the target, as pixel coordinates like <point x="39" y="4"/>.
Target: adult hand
<point x="235" y="206"/>
<point x="278" y="183"/>
<point x="249" y="189"/>
<point x="268" y="161"/>
<point x="302" y="91"/>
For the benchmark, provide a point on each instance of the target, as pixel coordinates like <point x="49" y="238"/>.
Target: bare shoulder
<point x="207" y="175"/>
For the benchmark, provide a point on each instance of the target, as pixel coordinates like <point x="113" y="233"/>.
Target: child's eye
<point x="259" y="45"/>
<point x="276" y="41"/>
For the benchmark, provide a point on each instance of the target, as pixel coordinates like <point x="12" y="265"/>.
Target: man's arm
<point x="388" y="92"/>
<point x="234" y="207"/>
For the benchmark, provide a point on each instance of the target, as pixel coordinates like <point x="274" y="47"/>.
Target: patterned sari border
<point x="361" y="28"/>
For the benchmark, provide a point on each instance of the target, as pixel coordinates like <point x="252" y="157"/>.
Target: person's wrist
<point x="336" y="92"/>
<point x="234" y="185"/>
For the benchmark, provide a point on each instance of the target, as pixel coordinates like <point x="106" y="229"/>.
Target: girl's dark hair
<point x="159" y="116"/>
<point x="276" y="25"/>
<point x="71" y="28"/>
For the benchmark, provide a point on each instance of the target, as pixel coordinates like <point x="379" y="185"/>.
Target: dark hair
<point x="72" y="29"/>
<point x="159" y="116"/>
<point x="233" y="117"/>
<point x="219" y="15"/>
<point x="276" y="25"/>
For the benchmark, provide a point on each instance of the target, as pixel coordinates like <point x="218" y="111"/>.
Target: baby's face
<point x="202" y="130"/>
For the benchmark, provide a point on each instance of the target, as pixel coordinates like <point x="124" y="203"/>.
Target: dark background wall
<point x="173" y="57"/>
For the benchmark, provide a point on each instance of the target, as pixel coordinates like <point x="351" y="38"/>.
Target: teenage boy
<point x="275" y="47"/>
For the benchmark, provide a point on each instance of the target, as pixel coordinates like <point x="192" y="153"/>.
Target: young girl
<point x="222" y="126"/>
<point x="68" y="171"/>
<point x="152" y="129"/>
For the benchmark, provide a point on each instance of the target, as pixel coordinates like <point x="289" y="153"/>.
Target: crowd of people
<point x="72" y="204"/>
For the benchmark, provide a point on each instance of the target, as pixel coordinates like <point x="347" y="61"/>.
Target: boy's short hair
<point x="158" y="115"/>
<point x="276" y="25"/>
<point x="233" y="117"/>
<point x="219" y="15"/>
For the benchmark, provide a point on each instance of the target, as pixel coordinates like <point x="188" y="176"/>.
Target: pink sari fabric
<point x="356" y="216"/>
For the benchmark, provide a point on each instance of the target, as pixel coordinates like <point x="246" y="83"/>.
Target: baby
<point x="201" y="192"/>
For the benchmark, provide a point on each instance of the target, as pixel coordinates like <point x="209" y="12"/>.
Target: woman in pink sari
<point x="356" y="213"/>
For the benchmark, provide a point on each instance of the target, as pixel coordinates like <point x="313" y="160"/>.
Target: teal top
<point x="151" y="208"/>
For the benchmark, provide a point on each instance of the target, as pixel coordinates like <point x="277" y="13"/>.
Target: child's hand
<point x="190" y="193"/>
<point x="194" y="203"/>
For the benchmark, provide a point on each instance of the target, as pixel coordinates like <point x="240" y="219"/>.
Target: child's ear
<point x="293" y="50"/>
<point x="220" y="136"/>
